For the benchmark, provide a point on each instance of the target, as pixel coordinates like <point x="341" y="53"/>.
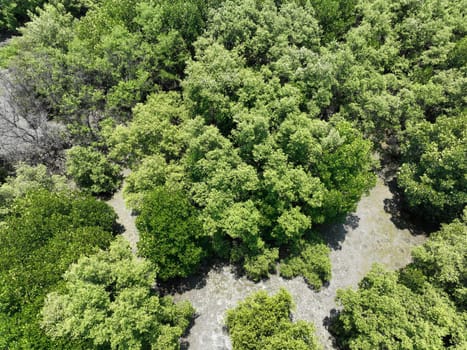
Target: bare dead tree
<point x="26" y="133"/>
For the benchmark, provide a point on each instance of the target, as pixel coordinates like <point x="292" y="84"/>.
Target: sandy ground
<point x="367" y="237"/>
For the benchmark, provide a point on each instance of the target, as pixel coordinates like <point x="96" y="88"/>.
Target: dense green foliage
<point x="92" y="171"/>
<point x="14" y="12"/>
<point x="310" y="260"/>
<point x="385" y="313"/>
<point x="245" y="143"/>
<point x="434" y="172"/>
<point x="393" y="67"/>
<point x="28" y="178"/>
<point x="107" y="303"/>
<point x="41" y="236"/>
<point x="247" y="199"/>
<point x="101" y="64"/>
<point x="443" y="261"/>
<point x="423" y="306"/>
<point x="245" y="123"/>
<point x="335" y="17"/>
<point x="169" y="230"/>
<point x="262" y="322"/>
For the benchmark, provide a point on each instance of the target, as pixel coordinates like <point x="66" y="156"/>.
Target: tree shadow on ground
<point x="329" y="322"/>
<point x="196" y="280"/>
<point x="118" y="228"/>
<point x="334" y="234"/>
<point x="401" y="216"/>
<point x="184" y="343"/>
<point x="397" y="207"/>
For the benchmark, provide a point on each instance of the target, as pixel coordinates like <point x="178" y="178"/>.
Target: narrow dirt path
<point x="125" y="218"/>
<point x="367" y="237"/>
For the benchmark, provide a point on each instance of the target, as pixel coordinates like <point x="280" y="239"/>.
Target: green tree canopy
<point x="443" y="260"/>
<point x="28" y="178"/>
<point x="15" y="13"/>
<point x="170" y="232"/>
<point x="41" y="236"/>
<point x="335" y="17"/>
<point x="99" y="62"/>
<point x="433" y="175"/>
<point x="384" y="313"/>
<point x="244" y="141"/>
<point x="254" y="192"/>
<point x="108" y="301"/>
<point x="263" y="322"/>
<point x="92" y="171"/>
<point x="309" y="259"/>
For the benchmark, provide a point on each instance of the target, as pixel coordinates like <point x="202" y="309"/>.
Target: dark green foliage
<point x="107" y="301"/>
<point x="310" y="260"/>
<point x="15" y="13"/>
<point x="42" y="235"/>
<point x="263" y="322"/>
<point x="386" y="314"/>
<point x="258" y="266"/>
<point x="435" y="163"/>
<point x="27" y="178"/>
<point x="458" y="55"/>
<point x="335" y="17"/>
<point x="170" y="232"/>
<point x="185" y="17"/>
<point x="5" y="170"/>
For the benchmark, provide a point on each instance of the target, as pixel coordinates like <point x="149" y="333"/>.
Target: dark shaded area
<point x="329" y="322"/>
<point x="6" y="169"/>
<point x="401" y="216"/>
<point x="107" y="196"/>
<point x="118" y="228"/>
<point x="334" y="234"/>
<point x="5" y="35"/>
<point x="184" y="343"/>
<point x="196" y="280"/>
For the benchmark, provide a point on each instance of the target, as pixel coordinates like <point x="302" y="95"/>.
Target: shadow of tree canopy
<point x="334" y="234"/>
<point x="401" y="216"/>
<point x="195" y="281"/>
<point x="329" y="322"/>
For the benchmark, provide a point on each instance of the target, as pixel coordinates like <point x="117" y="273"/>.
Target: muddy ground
<point x="125" y="217"/>
<point x="368" y="236"/>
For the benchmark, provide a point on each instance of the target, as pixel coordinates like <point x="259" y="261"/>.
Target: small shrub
<point x="264" y="322"/>
<point x="170" y="233"/>
<point x="312" y="262"/>
<point x="92" y="171"/>
<point x="259" y="266"/>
